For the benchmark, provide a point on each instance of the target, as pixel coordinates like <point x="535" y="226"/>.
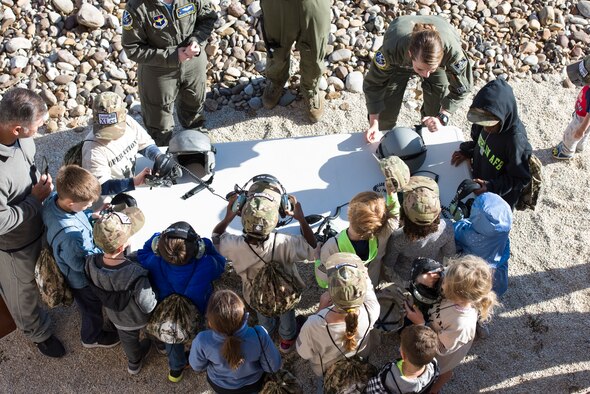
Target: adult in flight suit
<point x="425" y="45"/>
<point x="306" y="22"/>
<point x="167" y="39"/>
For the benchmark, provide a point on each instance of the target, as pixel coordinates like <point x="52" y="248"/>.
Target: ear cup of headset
<point x="239" y="202"/>
<point x="182" y="230"/>
<point x="155" y="245"/>
<point x="285" y="206"/>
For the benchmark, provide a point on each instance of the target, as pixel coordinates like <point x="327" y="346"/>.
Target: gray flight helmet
<point x="407" y="144"/>
<point x="193" y="146"/>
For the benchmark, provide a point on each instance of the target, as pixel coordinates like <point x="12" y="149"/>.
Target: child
<point x="467" y="298"/>
<point x="346" y="314"/>
<point x="122" y="285"/>
<point x="416" y="370"/>
<point x="371" y="224"/>
<point x="234" y="355"/>
<point x="423" y="233"/>
<point x="113" y="144"/>
<point x="69" y="234"/>
<point x="259" y="243"/>
<point x="181" y="262"/>
<point x="576" y="133"/>
<point x="486" y="234"/>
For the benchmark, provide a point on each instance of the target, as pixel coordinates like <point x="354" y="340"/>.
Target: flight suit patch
<point x="185" y="10"/>
<point x="459" y="66"/>
<point x="127" y="20"/>
<point x="380" y="61"/>
<point x="160" y="21"/>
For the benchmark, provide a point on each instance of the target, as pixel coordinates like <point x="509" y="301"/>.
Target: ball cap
<point x="113" y="230"/>
<point x="347" y="280"/>
<point x="482" y="117"/>
<point x="109" y="114"/>
<point x="421" y="200"/>
<point x="579" y="73"/>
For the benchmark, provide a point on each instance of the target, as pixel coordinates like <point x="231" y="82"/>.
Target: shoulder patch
<point x="160" y="21"/>
<point x="379" y="60"/>
<point x="127" y="20"/>
<point x="186" y="10"/>
<point x="459" y="66"/>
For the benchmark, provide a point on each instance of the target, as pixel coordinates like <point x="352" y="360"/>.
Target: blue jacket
<point x="70" y="236"/>
<point x="485" y="234"/>
<point x="192" y="280"/>
<point x="206" y="355"/>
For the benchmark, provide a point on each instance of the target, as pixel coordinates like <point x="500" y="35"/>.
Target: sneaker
<point x="107" y="339"/>
<point x="315" y="107"/>
<point x="134" y="368"/>
<point x="272" y="95"/>
<point x="51" y="347"/>
<point x="175" y="375"/>
<point x="559" y="154"/>
<point x="482" y="330"/>
<point x="287" y="346"/>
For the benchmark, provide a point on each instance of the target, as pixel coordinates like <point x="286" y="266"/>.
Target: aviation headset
<point x="181" y="230"/>
<point x="272" y="182"/>
<point x="457" y="208"/>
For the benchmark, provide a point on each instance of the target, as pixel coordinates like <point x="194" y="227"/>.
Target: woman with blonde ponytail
<point x="346" y="314"/>
<point x="467" y="297"/>
<point x="426" y="46"/>
<point x="234" y="355"/>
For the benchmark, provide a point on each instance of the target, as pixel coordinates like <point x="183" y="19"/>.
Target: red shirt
<point x="583" y="101"/>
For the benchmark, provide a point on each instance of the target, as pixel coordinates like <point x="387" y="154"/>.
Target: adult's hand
<point x="43" y="188"/>
<point x="373" y="134"/>
<point x="182" y="55"/>
<point x="458" y="157"/>
<point x="432" y="123"/>
<point x="194" y="49"/>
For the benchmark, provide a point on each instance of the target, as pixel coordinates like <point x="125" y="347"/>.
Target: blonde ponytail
<point x="352" y="322"/>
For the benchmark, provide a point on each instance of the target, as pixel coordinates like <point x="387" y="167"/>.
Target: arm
<point x="145" y="253"/>
<point x="116" y="186"/>
<point x="270" y="351"/>
<point x="144" y="295"/>
<point x="517" y="173"/>
<point x="218" y="260"/>
<point x="374" y="87"/>
<point x="298" y="215"/>
<point x="151" y="152"/>
<point x="221" y="227"/>
<point x="12" y="215"/>
<point x="460" y="78"/>
<point x="204" y="24"/>
<point x="197" y="358"/>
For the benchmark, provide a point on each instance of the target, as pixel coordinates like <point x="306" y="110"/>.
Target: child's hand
<point x="483" y="187"/>
<point x="231" y="198"/>
<point x="297" y="211"/>
<point x="139" y="179"/>
<point x="414" y="315"/>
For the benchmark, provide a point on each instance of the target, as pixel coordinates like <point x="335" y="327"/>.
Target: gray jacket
<point x="127" y="281"/>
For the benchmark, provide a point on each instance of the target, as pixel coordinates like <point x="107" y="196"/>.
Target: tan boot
<point x="272" y="95"/>
<point x="315" y="107"/>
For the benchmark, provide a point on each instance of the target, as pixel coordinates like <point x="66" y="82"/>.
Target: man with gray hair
<point x="22" y="190"/>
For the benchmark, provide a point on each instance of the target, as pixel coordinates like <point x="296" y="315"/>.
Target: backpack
<point x="280" y="382"/>
<point x="348" y="375"/>
<point x="530" y="193"/>
<point x="51" y="283"/>
<point x="391" y="299"/>
<point x="175" y="320"/>
<point x="376" y="384"/>
<point x="275" y="290"/>
<point x="74" y="154"/>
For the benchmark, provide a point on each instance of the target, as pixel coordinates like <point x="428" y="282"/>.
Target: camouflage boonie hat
<point x="114" y="229"/>
<point x="395" y="171"/>
<point x="260" y="214"/>
<point x="421" y="200"/>
<point x="347" y="280"/>
<point x="109" y="114"/>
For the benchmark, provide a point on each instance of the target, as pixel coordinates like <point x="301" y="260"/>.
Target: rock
<point x="239" y="54"/>
<point x="504" y="8"/>
<point x="340" y="55"/>
<point x="57" y="111"/>
<point x="336" y="82"/>
<point x="254" y="9"/>
<point x="234" y="72"/>
<point x="344" y="106"/>
<point x="584" y="8"/>
<point x="471" y="5"/>
<point x="531" y="60"/>
<point x="14" y="44"/>
<point x="117" y="73"/>
<point x="236" y="9"/>
<point x="255" y="103"/>
<point x="90" y="16"/>
<point x="518" y="24"/>
<point x="48" y="97"/>
<point x="547" y="15"/>
<point x="562" y="41"/>
<point x="211" y="105"/>
<point x="287" y="99"/>
<point x="322" y="84"/>
<point x="467" y="24"/>
<point x="66" y="56"/>
<point x="52" y="126"/>
<point x="582" y="36"/>
<point x="63" y="6"/>
<point x="19" y="62"/>
<point x="78" y="110"/>
<point x="354" y="82"/>
<point x="249" y="90"/>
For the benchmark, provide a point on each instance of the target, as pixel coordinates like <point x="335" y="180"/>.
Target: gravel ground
<point x="538" y="341"/>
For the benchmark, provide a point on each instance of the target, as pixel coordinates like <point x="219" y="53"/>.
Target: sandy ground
<point x="538" y="343"/>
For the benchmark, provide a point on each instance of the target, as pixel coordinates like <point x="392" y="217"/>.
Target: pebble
<point x="255" y="103"/>
<point x="18" y="43"/>
<point x="584" y="8"/>
<point x="531" y="60"/>
<point x="63" y="6"/>
<point x="90" y="16"/>
<point x="354" y="82"/>
<point x="287" y="99"/>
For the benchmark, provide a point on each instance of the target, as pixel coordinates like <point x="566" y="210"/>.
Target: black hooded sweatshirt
<point x="501" y="158"/>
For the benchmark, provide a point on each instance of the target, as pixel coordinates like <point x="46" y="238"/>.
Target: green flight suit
<point x="151" y="37"/>
<point x="391" y="69"/>
<point x="306" y="22"/>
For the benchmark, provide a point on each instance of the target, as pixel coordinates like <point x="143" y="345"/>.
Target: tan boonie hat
<point x="421" y="200"/>
<point x="113" y="230"/>
<point x="579" y="72"/>
<point x="396" y="172"/>
<point x="482" y="117"/>
<point x="109" y="114"/>
<point x="347" y="280"/>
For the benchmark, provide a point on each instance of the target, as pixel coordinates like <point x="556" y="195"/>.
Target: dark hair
<point x="175" y="250"/>
<point x="419" y="344"/>
<point x="225" y="314"/>
<point x="21" y="106"/>
<point x="416" y="231"/>
<point x="77" y="183"/>
<point x="426" y="45"/>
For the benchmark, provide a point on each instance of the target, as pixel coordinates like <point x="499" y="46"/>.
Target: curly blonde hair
<point x="367" y="214"/>
<point x="469" y="278"/>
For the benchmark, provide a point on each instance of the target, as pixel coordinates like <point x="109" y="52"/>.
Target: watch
<point x="444" y="119"/>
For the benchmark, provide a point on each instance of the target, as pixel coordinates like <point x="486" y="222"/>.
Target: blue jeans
<point x="176" y="356"/>
<point x="91" y="314"/>
<point x="287" y="326"/>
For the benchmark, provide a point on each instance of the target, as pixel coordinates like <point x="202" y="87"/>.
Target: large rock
<point x="63" y="6"/>
<point x="584" y="8"/>
<point x="90" y="16"/>
<point x="14" y="44"/>
<point x="354" y="82"/>
<point x="340" y="55"/>
<point x="66" y="56"/>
